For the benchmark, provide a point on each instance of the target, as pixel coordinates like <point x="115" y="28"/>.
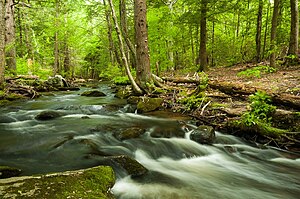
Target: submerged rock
<point x="203" y="135"/>
<point x="7" y="172"/>
<point x="88" y="183"/>
<point x="130" y="165"/>
<point x="47" y="115"/>
<point x="93" y="93"/>
<point x="149" y="104"/>
<point x="133" y="132"/>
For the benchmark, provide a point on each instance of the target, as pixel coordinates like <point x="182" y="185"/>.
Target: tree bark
<point x="294" y="34"/>
<point x="2" y="41"/>
<point x="123" y="19"/>
<point x="203" y="38"/>
<point x="273" y="33"/>
<point x="258" y="31"/>
<point x="266" y="31"/>
<point x="136" y="88"/>
<point x="56" y="45"/>
<point x="143" y="71"/>
<point x="10" y="36"/>
<point x="109" y="33"/>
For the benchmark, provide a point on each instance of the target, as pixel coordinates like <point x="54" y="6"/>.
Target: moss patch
<point x="90" y="183"/>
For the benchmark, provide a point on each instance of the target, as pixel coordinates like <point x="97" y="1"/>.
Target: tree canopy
<point x="77" y="38"/>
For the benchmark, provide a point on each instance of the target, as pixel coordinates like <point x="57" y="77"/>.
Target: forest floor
<point x="228" y="99"/>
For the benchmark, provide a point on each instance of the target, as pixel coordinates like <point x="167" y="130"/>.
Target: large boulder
<point x="203" y="135"/>
<point x="7" y="172"/>
<point x="149" y="104"/>
<point x="93" y="93"/>
<point x="88" y="183"/>
<point x="47" y="115"/>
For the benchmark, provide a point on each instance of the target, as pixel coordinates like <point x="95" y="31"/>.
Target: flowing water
<point x="179" y="167"/>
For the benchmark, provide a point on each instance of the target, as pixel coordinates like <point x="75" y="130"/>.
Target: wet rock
<point x="149" y="104"/>
<point x="93" y="93"/>
<point x="124" y="92"/>
<point x="133" y="132"/>
<point x="203" y="135"/>
<point x="57" y="81"/>
<point x="172" y="131"/>
<point x="133" y="100"/>
<point x="47" y="115"/>
<point x="6" y="119"/>
<point x="130" y="165"/>
<point x="87" y="183"/>
<point x="7" y="172"/>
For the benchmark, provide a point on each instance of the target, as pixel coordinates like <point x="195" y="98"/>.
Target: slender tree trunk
<point x="136" y="88"/>
<point x="266" y="31"/>
<point x="258" y="31"/>
<point x="273" y="32"/>
<point x="2" y="41"/>
<point x="10" y="36"/>
<point x="213" y="45"/>
<point x="56" y="43"/>
<point x="203" y="37"/>
<point x="123" y="19"/>
<point x="294" y="34"/>
<point x="109" y="33"/>
<point x="142" y="50"/>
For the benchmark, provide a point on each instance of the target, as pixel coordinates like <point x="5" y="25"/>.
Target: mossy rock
<point x="124" y="92"/>
<point x="130" y="165"/>
<point x="14" y="96"/>
<point x="203" y="135"/>
<point x="93" y="93"/>
<point x="133" y="132"/>
<point x="149" y="104"/>
<point x="47" y="115"/>
<point x="88" y="183"/>
<point x="7" y="172"/>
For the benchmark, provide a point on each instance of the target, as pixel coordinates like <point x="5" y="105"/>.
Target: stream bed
<point x="178" y="167"/>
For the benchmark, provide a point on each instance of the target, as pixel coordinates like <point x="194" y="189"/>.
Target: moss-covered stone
<point x="130" y="165"/>
<point x="89" y="183"/>
<point x="47" y="115"/>
<point x="124" y="92"/>
<point x="7" y="172"/>
<point x="133" y="132"/>
<point x="149" y="104"/>
<point x="93" y="93"/>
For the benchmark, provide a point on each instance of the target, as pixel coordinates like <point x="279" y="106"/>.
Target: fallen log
<point x="243" y="91"/>
<point x="182" y="80"/>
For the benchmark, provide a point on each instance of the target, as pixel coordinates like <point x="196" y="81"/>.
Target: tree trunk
<point x="294" y="34"/>
<point x="273" y="33"/>
<point x="2" y="41"/>
<point x="56" y="45"/>
<point x="136" y="88"/>
<point x="10" y="36"/>
<point x="266" y="31"/>
<point x="109" y="33"/>
<point x="123" y="19"/>
<point x="203" y="39"/>
<point x="258" y="31"/>
<point x="143" y="72"/>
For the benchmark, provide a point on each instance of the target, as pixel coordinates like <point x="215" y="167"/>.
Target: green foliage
<point x="256" y="71"/>
<point x="261" y="110"/>
<point x="110" y="72"/>
<point x="194" y="101"/>
<point x="121" y="80"/>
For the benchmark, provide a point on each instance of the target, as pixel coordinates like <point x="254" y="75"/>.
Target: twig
<point x="202" y="111"/>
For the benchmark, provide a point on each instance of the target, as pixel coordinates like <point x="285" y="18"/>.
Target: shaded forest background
<point x="78" y="39"/>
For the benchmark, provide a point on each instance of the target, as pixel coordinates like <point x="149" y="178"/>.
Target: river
<point x="179" y="167"/>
